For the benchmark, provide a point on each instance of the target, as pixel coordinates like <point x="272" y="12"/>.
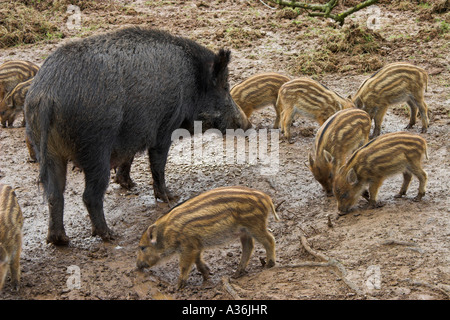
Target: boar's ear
<point x="351" y="177"/>
<point x="151" y="234"/>
<point x="328" y="157"/>
<point x="221" y="61"/>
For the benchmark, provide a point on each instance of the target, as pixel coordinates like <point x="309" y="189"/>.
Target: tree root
<point x="326" y="262"/>
<point x="229" y="289"/>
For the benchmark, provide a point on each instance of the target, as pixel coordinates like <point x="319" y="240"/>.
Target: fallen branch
<point x="229" y="289"/>
<point x="426" y="284"/>
<point x="400" y="243"/>
<point x="324" y="10"/>
<point x="331" y="262"/>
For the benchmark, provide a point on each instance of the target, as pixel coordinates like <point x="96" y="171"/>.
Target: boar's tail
<point x="45" y="114"/>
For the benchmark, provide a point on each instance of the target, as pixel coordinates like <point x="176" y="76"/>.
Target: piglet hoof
<point x="418" y="197"/>
<point x="270" y="264"/>
<point x="409" y="126"/>
<point x="375" y="204"/>
<point x="181" y="284"/>
<point x="58" y="238"/>
<point x="399" y="195"/>
<point x="366" y="195"/>
<point x="424" y="130"/>
<point x="239" y="273"/>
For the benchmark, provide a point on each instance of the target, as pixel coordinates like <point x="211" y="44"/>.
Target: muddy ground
<point x="398" y="251"/>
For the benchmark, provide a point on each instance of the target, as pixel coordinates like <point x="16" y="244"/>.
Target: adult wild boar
<point x="100" y="100"/>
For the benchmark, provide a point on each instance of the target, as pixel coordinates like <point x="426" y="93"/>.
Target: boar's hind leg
<point x="158" y="158"/>
<point x="247" y="249"/>
<point x="96" y="183"/>
<point x="123" y="175"/>
<point x="55" y="183"/>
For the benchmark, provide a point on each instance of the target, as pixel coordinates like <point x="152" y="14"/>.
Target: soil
<point x="399" y="251"/>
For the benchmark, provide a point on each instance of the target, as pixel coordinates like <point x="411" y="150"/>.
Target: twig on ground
<point x="428" y="285"/>
<point x="229" y="289"/>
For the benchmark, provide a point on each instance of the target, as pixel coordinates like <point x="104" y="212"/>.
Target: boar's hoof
<point x="165" y="195"/>
<point x="106" y="235"/>
<point x="409" y="126"/>
<point x="124" y="182"/>
<point x="58" y="238"/>
<point x="424" y="130"/>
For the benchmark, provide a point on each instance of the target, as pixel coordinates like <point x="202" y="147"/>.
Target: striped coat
<point x="389" y="154"/>
<point x="394" y="84"/>
<point x="258" y="91"/>
<point x="11" y="222"/>
<point x="209" y="219"/>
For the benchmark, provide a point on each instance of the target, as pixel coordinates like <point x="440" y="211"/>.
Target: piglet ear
<point x="151" y="234"/>
<point x="352" y="178"/>
<point x="328" y="157"/>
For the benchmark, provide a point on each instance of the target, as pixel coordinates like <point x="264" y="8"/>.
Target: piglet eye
<point x="345" y="195"/>
<point x="142" y="248"/>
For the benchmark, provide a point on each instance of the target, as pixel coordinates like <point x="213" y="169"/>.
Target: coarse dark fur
<point x="100" y="100"/>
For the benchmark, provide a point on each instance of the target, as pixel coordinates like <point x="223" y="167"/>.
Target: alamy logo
<point x="373" y="277"/>
<point x="252" y="147"/>
<point x="74" y="20"/>
<point x="74" y="280"/>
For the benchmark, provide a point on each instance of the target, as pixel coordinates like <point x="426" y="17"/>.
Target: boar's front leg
<point x="158" y="159"/>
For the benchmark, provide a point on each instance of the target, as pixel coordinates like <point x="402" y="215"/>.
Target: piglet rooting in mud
<point x="336" y="139"/>
<point x="207" y="220"/>
<point x="389" y="154"/>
